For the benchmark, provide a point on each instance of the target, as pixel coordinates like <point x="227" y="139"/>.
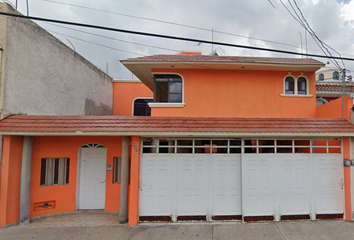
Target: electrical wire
<point x="171" y="23"/>
<point x="115" y="39"/>
<point x="169" y="36"/>
<point x="302" y="21"/>
<point x="323" y="43"/>
<point x="98" y="44"/>
<point x="177" y="24"/>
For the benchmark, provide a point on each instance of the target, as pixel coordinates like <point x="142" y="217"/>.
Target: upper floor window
<point x="335" y="75"/>
<point x="321" y="77"/>
<point x="289" y="85"/>
<point x="301" y="86"/>
<point x="141" y="107"/>
<point x="168" y="88"/>
<point x="296" y="86"/>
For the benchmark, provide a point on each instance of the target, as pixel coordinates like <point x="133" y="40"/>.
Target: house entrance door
<point x="92" y="181"/>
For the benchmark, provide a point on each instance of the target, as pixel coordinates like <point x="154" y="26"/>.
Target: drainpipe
<point x="123" y="201"/>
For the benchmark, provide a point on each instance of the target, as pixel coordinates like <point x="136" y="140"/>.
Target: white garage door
<point x="275" y="181"/>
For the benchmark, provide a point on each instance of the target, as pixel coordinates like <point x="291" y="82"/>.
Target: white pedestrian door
<point x="156" y="176"/>
<point x="92" y="189"/>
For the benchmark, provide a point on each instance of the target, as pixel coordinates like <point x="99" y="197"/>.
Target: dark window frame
<point x="321" y="77"/>
<point x="289" y="91"/>
<point x="335" y="75"/>
<point x="54" y="171"/>
<point x="146" y="103"/>
<point x="168" y="78"/>
<point x="117" y="170"/>
<point x="299" y="81"/>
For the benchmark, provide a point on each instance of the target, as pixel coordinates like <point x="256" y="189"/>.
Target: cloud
<point x="333" y="22"/>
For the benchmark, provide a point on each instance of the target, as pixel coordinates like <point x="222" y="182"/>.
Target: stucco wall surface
<point x="233" y="93"/>
<point x="42" y="76"/>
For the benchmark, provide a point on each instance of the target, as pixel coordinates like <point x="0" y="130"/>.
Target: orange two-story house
<point x="199" y="138"/>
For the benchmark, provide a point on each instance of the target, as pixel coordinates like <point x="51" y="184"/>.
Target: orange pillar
<point x="10" y="181"/>
<point x="347" y="195"/>
<point x="133" y="205"/>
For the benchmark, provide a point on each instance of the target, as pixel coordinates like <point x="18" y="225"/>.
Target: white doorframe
<point x="93" y="145"/>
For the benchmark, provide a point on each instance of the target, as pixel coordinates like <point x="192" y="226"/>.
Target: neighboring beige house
<point x="329" y="84"/>
<point x="40" y="75"/>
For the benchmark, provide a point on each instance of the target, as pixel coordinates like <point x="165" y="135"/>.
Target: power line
<point x="171" y="23"/>
<point x="271" y="4"/>
<point x="98" y="44"/>
<point x="169" y="36"/>
<point x="303" y="22"/>
<point x="111" y="38"/>
<point x="177" y="24"/>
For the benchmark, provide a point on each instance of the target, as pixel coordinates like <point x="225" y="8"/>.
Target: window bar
<point x="228" y="146"/>
<point x="327" y="150"/>
<point x="293" y="144"/>
<point x="193" y="146"/>
<point x="157" y="141"/>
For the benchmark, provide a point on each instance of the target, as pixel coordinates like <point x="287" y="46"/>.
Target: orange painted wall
<point x="65" y="195"/>
<point x="334" y="109"/>
<point x="209" y="92"/>
<point x="133" y="204"/>
<point x="10" y="182"/>
<point x="347" y="194"/>
<point x="124" y="94"/>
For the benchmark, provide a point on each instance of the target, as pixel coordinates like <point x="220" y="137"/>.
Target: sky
<point x="258" y="23"/>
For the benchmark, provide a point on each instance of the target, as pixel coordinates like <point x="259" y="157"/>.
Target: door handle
<point x="103" y="181"/>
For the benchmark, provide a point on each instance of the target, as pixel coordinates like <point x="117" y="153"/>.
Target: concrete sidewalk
<point x="338" y="230"/>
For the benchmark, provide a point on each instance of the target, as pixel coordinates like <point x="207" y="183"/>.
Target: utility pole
<point x="343" y="91"/>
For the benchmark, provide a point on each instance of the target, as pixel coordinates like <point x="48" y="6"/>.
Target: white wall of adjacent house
<point x="41" y="75"/>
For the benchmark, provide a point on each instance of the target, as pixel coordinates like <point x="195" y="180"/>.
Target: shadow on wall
<point x="97" y="110"/>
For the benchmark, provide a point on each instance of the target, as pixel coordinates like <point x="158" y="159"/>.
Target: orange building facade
<point x="223" y="138"/>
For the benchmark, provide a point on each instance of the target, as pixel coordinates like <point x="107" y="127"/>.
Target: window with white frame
<point x="321" y="77"/>
<point x="301" y="86"/>
<point x="335" y="75"/>
<point x="55" y="171"/>
<point x="289" y="85"/>
<point x="295" y="86"/>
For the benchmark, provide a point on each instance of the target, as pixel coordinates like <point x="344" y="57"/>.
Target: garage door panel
<point x="258" y="187"/>
<point x="192" y="195"/>
<point x="328" y="176"/>
<point x="226" y="188"/>
<point x="156" y="175"/>
<point x="294" y="184"/>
